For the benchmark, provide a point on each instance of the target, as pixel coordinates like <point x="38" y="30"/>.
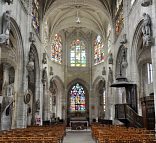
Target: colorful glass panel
<point x="78" y="53"/>
<point x="119" y="19"/>
<point x="77" y="98"/>
<point x="56" y="49"/>
<point x="35" y="15"/>
<point x="99" y="54"/>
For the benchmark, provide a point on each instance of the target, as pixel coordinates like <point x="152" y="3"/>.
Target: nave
<point x="78" y="137"/>
<point x="77" y="62"/>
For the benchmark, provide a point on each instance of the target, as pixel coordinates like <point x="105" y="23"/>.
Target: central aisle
<point x="78" y="137"/>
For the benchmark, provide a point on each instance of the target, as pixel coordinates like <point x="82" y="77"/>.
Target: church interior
<point x="77" y="71"/>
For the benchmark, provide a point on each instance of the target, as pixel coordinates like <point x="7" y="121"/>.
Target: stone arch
<point x="121" y="69"/>
<point x="12" y="55"/>
<point x="99" y="87"/>
<point x="33" y="82"/>
<point x="80" y="81"/>
<point x="142" y="59"/>
<point x="57" y="92"/>
<point x="136" y="42"/>
<point x="139" y="56"/>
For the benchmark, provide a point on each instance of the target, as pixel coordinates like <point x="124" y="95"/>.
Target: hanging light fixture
<point x="77" y="14"/>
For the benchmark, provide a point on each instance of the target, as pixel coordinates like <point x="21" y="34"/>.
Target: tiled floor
<point x="78" y="137"/>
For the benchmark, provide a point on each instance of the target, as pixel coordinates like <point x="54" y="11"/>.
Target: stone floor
<point x="78" y="137"/>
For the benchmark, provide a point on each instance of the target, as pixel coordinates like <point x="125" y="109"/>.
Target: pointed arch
<point x="140" y="56"/>
<point x="57" y="91"/>
<point x="13" y="55"/>
<point x="99" y="98"/>
<point x="58" y="82"/>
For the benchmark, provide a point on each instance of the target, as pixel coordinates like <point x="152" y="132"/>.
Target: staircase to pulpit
<point x="125" y="114"/>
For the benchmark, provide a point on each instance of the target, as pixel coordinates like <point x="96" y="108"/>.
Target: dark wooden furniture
<point x="148" y="111"/>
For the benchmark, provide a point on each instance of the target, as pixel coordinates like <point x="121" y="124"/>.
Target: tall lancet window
<point x="78" y="53"/>
<point x="99" y="54"/>
<point x="150" y="73"/>
<point x="119" y="17"/>
<point x="132" y="2"/>
<point x="35" y="15"/>
<point x="77" y="98"/>
<point x="56" y="49"/>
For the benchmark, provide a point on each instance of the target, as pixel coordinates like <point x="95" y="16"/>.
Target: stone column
<point x="44" y="103"/>
<point x="1" y="13"/>
<point x="59" y="105"/>
<point x="153" y="51"/>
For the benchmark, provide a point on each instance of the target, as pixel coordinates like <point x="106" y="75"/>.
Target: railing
<point x="125" y="112"/>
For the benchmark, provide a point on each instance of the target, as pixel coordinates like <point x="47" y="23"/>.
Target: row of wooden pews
<point x="119" y="134"/>
<point x="35" y="134"/>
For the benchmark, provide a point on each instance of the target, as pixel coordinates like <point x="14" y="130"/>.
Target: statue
<point x="146" y="30"/>
<point x="44" y="75"/>
<point x="32" y="37"/>
<point x="52" y="87"/>
<point x="124" y="63"/>
<point x="110" y="76"/>
<point x="110" y="60"/>
<point x="123" y="40"/>
<point x="4" y="37"/>
<point x="51" y="71"/>
<point x="30" y="65"/>
<point x="104" y="71"/>
<point x="44" y="61"/>
<point x="37" y="105"/>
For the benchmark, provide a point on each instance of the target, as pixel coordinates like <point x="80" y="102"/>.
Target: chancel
<point x="77" y="71"/>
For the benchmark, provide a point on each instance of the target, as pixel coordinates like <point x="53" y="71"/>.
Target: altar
<point x="78" y="124"/>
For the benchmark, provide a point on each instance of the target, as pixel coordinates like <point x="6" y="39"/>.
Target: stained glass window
<point x="109" y="38"/>
<point x="77" y="98"/>
<point x="56" y="49"/>
<point x="99" y="54"/>
<point x="119" y="19"/>
<point x="78" y="53"/>
<point x="35" y="15"/>
<point x="119" y="22"/>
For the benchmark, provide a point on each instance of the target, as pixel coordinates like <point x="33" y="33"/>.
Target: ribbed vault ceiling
<point x="94" y="15"/>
